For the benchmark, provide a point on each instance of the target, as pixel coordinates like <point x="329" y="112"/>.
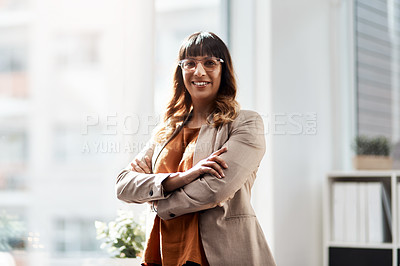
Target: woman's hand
<point x="212" y="165"/>
<point x="142" y="167"/>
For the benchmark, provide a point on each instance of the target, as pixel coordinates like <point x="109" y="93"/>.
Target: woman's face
<point x="202" y="85"/>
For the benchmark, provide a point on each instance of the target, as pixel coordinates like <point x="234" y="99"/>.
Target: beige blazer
<point x="229" y="229"/>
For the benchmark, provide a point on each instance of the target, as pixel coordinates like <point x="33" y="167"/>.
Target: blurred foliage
<point x="379" y="146"/>
<point x="123" y="238"/>
<point x="11" y="232"/>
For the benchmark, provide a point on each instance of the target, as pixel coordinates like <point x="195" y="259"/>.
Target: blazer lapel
<point x="205" y="143"/>
<point x="158" y="149"/>
<point x="209" y="140"/>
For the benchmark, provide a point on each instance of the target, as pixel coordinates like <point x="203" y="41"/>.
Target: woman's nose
<point x="199" y="71"/>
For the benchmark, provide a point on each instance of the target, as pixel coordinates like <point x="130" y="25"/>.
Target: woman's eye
<point x="210" y="63"/>
<point x="190" y="64"/>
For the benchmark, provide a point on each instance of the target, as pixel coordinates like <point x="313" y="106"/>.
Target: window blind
<point x="377" y="31"/>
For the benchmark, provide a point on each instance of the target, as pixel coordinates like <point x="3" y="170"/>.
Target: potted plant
<point x="123" y="238"/>
<point x="372" y="153"/>
<point x="11" y="230"/>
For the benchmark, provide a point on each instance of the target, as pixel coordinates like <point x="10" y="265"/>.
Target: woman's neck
<point x="199" y="116"/>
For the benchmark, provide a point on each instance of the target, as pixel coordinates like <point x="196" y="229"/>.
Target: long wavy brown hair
<point x="180" y="105"/>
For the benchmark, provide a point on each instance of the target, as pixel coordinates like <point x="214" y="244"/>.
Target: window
<point x="77" y="50"/>
<point x="13" y="156"/>
<point x="13" y="63"/>
<point x="74" y="236"/>
<point x="63" y="144"/>
<point x="377" y="52"/>
<point x="209" y="15"/>
<point x="72" y="146"/>
<point x="13" y="4"/>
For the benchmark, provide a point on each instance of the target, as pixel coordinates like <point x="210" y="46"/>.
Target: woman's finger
<point x="220" y="151"/>
<point x="211" y="171"/>
<point x="215" y="166"/>
<point x="148" y="162"/>
<point x="142" y="165"/>
<point x="133" y="166"/>
<point x="137" y="168"/>
<point x="219" y="160"/>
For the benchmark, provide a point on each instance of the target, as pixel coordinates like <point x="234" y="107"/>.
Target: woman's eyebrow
<point x="207" y="57"/>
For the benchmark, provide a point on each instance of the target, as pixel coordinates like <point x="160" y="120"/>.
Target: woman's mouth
<point x="200" y="83"/>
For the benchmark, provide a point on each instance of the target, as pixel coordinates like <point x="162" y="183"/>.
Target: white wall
<point x="300" y="69"/>
<point x="291" y="73"/>
<point x="250" y="47"/>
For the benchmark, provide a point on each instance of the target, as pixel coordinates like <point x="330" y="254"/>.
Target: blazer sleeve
<point x="246" y="147"/>
<point x="134" y="187"/>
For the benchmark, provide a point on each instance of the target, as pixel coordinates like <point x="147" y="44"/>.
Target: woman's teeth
<point x="200" y="83"/>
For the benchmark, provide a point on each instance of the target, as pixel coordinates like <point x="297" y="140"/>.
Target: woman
<point x="199" y="167"/>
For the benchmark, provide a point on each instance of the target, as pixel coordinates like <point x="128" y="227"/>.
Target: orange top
<point x="176" y="241"/>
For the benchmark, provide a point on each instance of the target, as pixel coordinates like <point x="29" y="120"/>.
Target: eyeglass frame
<point x="200" y="61"/>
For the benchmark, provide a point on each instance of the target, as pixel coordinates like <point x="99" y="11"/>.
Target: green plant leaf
<point x="379" y="146"/>
<point x="124" y="236"/>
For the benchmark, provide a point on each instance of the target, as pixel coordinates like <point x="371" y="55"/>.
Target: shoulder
<point x="248" y="120"/>
<point x="248" y="127"/>
<point x="245" y="116"/>
<point x="248" y="114"/>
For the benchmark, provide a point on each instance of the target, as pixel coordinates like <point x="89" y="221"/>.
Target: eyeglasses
<point x="209" y="64"/>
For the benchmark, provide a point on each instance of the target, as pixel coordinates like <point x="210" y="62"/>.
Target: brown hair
<point x="179" y="107"/>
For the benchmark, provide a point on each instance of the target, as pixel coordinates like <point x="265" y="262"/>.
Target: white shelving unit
<point x="362" y="253"/>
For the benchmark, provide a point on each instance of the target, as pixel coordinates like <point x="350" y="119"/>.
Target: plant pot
<point x="6" y="259"/>
<point x="372" y="162"/>
<point x="113" y="262"/>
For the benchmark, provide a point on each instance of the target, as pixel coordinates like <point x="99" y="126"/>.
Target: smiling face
<point x="202" y="85"/>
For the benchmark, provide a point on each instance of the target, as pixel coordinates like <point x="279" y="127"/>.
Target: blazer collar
<point x="179" y="128"/>
<point x="210" y="120"/>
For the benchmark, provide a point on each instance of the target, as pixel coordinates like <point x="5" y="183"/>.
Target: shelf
<point x="360" y="245"/>
<point x="341" y="186"/>
<point x="360" y="257"/>
<point x="364" y="173"/>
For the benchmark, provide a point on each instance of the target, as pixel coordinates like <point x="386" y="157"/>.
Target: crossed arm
<point x="213" y="165"/>
<point x="245" y="149"/>
<point x="134" y="179"/>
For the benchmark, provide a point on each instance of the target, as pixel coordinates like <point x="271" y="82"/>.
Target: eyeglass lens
<point x="208" y="64"/>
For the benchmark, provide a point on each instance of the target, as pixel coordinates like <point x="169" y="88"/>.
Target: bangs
<point x="201" y="45"/>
